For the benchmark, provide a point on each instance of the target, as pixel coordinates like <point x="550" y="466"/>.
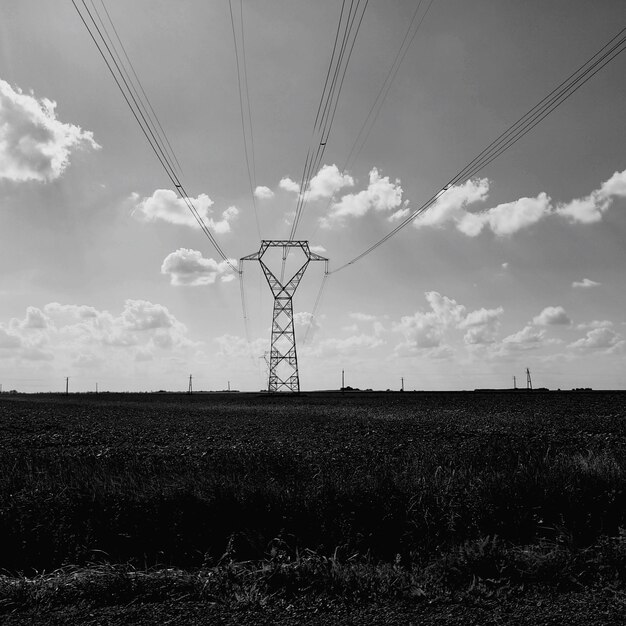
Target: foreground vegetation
<point x="352" y="496"/>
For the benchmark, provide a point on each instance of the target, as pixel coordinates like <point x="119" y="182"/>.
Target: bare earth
<point x="572" y="609"/>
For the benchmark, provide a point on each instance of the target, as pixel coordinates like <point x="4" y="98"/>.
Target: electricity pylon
<point x="283" y="363"/>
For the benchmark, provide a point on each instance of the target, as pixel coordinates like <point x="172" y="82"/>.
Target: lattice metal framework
<point x="283" y="361"/>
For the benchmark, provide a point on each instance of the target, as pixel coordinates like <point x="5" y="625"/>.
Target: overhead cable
<point x="318" y="302"/>
<point x="152" y="114"/>
<point x="515" y="132"/>
<point x="112" y="59"/>
<point x="242" y="84"/>
<point x="349" y="25"/>
<point x="372" y="116"/>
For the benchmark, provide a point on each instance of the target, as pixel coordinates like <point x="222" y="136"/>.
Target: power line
<point x="329" y="100"/>
<point x="318" y="302"/>
<point x="153" y="116"/>
<point x="374" y="111"/>
<point x="372" y="115"/>
<point x="138" y="113"/>
<point x="327" y="107"/>
<point x="515" y="132"/>
<point x="249" y="154"/>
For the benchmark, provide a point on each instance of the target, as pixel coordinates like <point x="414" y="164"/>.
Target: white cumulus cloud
<point x="381" y="194"/>
<point x="189" y="268"/>
<point x="263" y="193"/>
<point x="344" y="347"/>
<point x="328" y="181"/>
<point x="451" y="205"/>
<point x="79" y="336"/>
<point x="552" y="316"/>
<point x="527" y="336"/>
<point x="286" y="184"/>
<point x="508" y="218"/>
<point x="363" y="317"/>
<point x="427" y="329"/>
<point x="34" y="144"/>
<point x="602" y="338"/>
<point x="585" y="283"/>
<point x="165" y="205"/>
<point x="589" y="209"/>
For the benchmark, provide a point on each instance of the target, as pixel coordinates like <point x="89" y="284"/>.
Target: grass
<point x="485" y="568"/>
<point x="343" y="496"/>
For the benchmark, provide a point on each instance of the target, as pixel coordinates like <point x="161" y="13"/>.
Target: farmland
<point x="366" y="493"/>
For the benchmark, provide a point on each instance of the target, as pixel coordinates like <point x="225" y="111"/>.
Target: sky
<point x="106" y="278"/>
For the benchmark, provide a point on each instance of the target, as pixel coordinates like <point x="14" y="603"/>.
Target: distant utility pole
<point x="190" y="390"/>
<point x="229" y="385"/>
<point x="514" y="382"/>
<point x="67" y="385"/>
<point x="96" y="387"/>
<point x="402" y="388"/>
<point x="529" y="382"/>
<point x="343" y="379"/>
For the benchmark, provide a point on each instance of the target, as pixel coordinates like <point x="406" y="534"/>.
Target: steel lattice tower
<point x="283" y="363"/>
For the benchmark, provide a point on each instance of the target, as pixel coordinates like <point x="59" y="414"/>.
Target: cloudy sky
<point x="107" y="279"/>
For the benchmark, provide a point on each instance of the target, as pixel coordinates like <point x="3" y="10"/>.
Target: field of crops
<point x="459" y="484"/>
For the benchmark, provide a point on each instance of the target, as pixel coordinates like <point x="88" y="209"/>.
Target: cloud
<point x="421" y="330"/>
<point x="362" y="317"/>
<point x="327" y="182"/>
<point x="602" y="338"/>
<point x="595" y="324"/>
<point x="585" y="283"/>
<point x="381" y="195"/>
<point x="424" y="330"/>
<point x="263" y="193"/>
<point x="525" y="337"/>
<point x="507" y="219"/>
<point x="165" y="205"/>
<point x="482" y="326"/>
<point x="317" y="249"/>
<point x="304" y="319"/>
<point x="344" y="347"/>
<point x="9" y="341"/>
<point x="79" y="336"/>
<point x="287" y="184"/>
<point x="446" y="309"/>
<point x="450" y="205"/>
<point x="233" y="346"/>
<point x="552" y="316"/>
<point x="143" y="315"/>
<point x="503" y="219"/>
<point x="34" y="145"/>
<point x="189" y="268"/>
<point x="35" y="318"/>
<point x="589" y="209"/>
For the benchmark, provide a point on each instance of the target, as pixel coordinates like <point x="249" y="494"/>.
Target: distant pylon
<point x="190" y="390"/>
<point x="283" y="365"/>
<point x="67" y="385"/>
<point x="529" y="382"/>
<point x="514" y="382"/>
